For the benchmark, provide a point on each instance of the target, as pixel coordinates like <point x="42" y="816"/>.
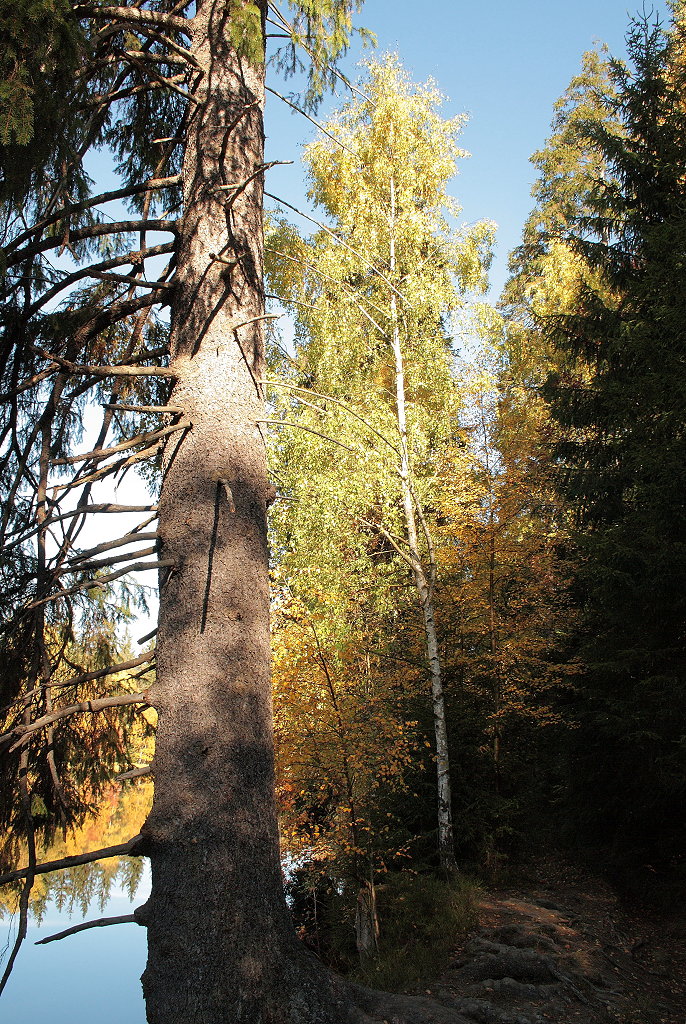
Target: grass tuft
<point x="422" y="919"/>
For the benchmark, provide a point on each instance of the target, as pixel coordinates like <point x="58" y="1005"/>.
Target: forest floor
<point x="561" y="947"/>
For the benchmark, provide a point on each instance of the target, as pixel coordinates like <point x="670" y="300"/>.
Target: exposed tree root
<point x="386" y="1008"/>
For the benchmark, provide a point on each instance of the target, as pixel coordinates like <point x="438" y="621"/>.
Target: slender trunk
<point x="221" y="945"/>
<point x="446" y="844"/>
<point x="497" y="687"/>
<point x="492" y="623"/>
<point x="367" y="921"/>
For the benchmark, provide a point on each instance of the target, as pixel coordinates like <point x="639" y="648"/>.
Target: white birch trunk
<point x="446" y="845"/>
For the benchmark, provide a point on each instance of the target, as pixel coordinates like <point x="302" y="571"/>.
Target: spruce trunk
<point x="221" y="945"/>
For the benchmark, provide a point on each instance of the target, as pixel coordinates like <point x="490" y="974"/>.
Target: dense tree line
<point x="599" y="284"/>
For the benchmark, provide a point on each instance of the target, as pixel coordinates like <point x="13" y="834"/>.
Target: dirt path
<point x="562" y="949"/>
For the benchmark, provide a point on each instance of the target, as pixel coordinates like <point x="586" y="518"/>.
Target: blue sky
<point x="502" y="62"/>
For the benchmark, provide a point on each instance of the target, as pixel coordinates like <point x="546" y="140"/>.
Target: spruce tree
<point x="620" y="399"/>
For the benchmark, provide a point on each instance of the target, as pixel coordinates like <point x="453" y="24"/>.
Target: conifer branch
<point x="101" y="922"/>
<point x="93" y="231"/>
<point x="104" y="471"/>
<point x="301" y="426"/>
<point x="340" y="241"/>
<point x="312" y="120"/>
<point x="122" y="850"/>
<point x="293" y="36"/>
<point x="159" y="37"/>
<point x="21" y="734"/>
<point x="28" y="384"/>
<point x="71" y="209"/>
<point x="101" y="581"/>
<point x="85" y="677"/>
<point x="135" y="257"/>
<point x="134" y="16"/>
<point x="105" y="453"/>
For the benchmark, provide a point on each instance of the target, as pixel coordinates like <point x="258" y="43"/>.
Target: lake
<point x="93" y="976"/>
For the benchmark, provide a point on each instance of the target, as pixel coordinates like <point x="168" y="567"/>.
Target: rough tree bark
<point x="221" y="945"/>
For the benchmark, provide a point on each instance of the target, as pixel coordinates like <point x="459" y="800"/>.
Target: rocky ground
<point x="563" y="948"/>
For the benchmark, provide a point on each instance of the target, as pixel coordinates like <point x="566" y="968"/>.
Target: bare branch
<point x="101" y="922"/>
<point x="300" y="426"/>
<point x="81" y="509"/>
<point x="137" y="282"/>
<point x="429" y="541"/>
<point x="341" y="241"/>
<point x="106" y="563"/>
<point x="160" y="82"/>
<point x="97" y="370"/>
<point x="104" y="453"/>
<point x="321" y="127"/>
<point x="135" y="773"/>
<point x="350" y="293"/>
<point x="122" y="850"/>
<point x="336" y="401"/>
<point x="236" y="190"/>
<point x="129" y="538"/>
<point x="256" y="319"/>
<point x="174" y="410"/>
<point x="293" y="302"/>
<point x="390" y="538"/>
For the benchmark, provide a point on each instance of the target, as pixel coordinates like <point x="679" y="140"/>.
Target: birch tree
<point x="373" y="295"/>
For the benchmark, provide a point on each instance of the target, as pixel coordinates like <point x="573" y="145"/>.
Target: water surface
<point x="92" y="977"/>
